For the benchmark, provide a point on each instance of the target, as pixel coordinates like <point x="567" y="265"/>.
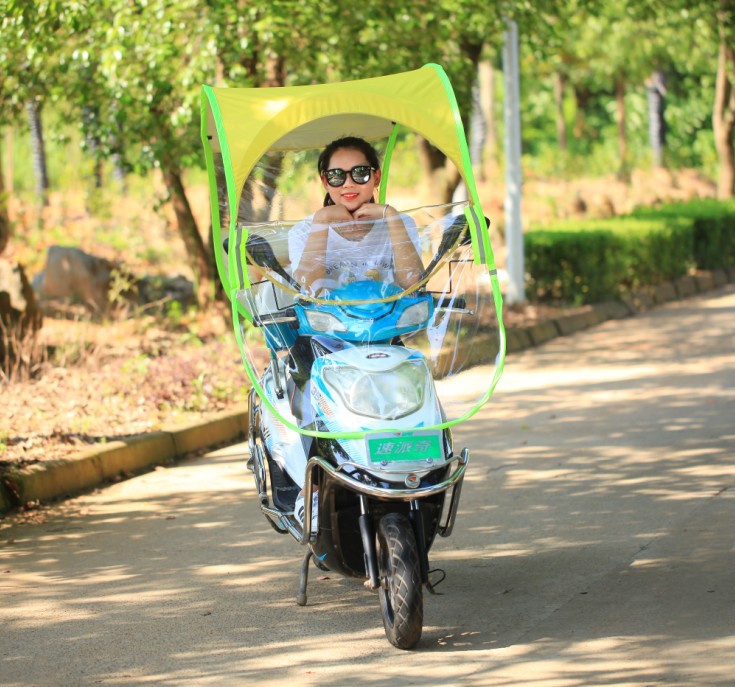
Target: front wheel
<point x="401" y="595"/>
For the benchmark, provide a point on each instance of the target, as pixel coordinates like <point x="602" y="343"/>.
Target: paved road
<point x="595" y="546"/>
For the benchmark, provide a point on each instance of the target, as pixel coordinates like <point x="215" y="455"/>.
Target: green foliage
<point x="127" y="75"/>
<point x="714" y="229"/>
<point x="571" y="266"/>
<point x="591" y="261"/>
<point x="593" y="46"/>
<point x="585" y="261"/>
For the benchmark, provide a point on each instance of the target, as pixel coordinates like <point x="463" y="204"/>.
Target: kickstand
<point x="431" y="586"/>
<point x="301" y="598"/>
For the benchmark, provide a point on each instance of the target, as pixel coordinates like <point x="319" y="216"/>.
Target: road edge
<point x="63" y="478"/>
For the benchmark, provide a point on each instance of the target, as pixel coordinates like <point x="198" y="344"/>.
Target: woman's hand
<point x="374" y="211"/>
<point x="332" y="214"/>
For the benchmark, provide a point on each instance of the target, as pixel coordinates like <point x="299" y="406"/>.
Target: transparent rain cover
<point x="442" y="309"/>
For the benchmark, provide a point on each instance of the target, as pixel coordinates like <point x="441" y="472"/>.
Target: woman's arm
<point x="310" y="269"/>
<point x="407" y="263"/>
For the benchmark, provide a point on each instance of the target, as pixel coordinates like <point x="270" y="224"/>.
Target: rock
<point x="20" y="316"/>
<point x="162" y="289"/>
<point x="70" y="273"/>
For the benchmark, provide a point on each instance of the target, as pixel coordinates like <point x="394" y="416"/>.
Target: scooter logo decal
<point x="372" y="356"/>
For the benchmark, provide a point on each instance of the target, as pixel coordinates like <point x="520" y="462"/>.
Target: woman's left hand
<point x="373" y="211"/>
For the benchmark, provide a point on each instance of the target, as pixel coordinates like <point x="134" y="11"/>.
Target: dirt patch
<point x="98" y="382"/>
<point x="102" y="382"/>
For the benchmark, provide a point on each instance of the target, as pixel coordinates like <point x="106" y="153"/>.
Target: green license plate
<point x="393" y="447"/>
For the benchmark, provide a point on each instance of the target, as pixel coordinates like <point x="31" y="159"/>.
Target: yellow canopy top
<point x="246" y="123"/>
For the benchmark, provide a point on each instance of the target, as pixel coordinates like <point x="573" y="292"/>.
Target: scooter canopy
<point x="247" y="123"/>
<point x="260" y="146"/>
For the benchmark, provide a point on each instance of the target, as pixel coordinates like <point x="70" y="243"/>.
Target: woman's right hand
<point x="332" y="214"/>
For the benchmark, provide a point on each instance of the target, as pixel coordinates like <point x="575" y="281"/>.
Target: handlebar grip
<point x="458" y="303"/>
<point x="285" y="316"/>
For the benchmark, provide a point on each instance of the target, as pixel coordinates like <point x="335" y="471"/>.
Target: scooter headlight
<point x="414" y="316"/>
<point x="324" y="322"/>
<point x="383" y="395"/>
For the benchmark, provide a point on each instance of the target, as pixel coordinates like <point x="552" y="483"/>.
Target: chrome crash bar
<point x="283" y="521"/>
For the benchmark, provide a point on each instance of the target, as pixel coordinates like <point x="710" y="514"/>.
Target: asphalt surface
<point x="595" y="545"/>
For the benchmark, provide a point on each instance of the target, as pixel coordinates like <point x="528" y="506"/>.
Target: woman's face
<point x="350" y="195"/>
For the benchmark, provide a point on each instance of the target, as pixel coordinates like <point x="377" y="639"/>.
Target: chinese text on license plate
<point x="404" y="446"/>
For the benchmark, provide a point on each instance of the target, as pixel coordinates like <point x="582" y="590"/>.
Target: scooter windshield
<point x="383" y="316"/>
<point x="379" y="320"/>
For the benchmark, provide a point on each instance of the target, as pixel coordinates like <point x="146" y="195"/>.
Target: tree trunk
<point x="478" y="131"/>
<point x="656" y="88"/>
<point x="723" y="118"/>
<point x="9" y="162"/>
<point x="38" y="149"/>
<point x="441" y="182"/>
<point x="200" y="259"/>
<point x="4" y="220"/>
<point x="119" y="174"/>
<point x="275" y="71"/>
<point x="560" y="82"/>
<point x="444" y="179"/>
<point x="487" y="105"/>
<point x="620" y="117"/>
<point x="582" y="96"/>
<point x="89" y="119"/>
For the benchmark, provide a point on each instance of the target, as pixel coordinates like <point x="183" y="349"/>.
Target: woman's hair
<point x="352" y="142"/>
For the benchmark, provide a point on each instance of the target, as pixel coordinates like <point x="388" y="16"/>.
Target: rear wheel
<point x="401" y="594"/>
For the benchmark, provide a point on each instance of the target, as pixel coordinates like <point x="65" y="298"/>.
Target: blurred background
<point x="624" y="105"/>
<point x="621" y="102"/>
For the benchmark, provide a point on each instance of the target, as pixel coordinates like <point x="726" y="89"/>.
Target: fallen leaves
<point x="139" y="378"/>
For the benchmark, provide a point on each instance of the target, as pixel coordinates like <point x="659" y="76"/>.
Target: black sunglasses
<point x="360" y="175"/>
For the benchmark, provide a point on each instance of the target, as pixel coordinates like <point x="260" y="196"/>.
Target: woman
<point x="352" y="237"/>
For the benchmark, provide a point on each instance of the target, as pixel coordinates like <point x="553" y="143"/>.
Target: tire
<point x="401" y="593"/>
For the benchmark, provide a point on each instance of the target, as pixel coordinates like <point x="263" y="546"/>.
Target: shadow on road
<point x="568" y="564"/>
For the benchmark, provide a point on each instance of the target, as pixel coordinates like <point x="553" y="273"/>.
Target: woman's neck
<point x="356" y="230"/>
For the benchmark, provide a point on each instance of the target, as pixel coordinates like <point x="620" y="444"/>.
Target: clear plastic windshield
<point x="380" y="322"/>
<point x="316" y="297"/>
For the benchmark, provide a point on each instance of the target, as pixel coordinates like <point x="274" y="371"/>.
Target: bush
<point x="714" y="229"/>
<point x="571" y="266"/>
<point x="590" y="261"/>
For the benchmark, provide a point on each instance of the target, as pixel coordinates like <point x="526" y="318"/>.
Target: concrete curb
<point x="63" y="478"/>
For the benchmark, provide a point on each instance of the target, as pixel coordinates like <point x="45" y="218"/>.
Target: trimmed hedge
<point x="714" y="229"/>
<point x="588" y="261"/>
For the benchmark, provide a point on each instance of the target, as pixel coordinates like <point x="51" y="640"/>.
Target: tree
<point x="38" y="148"/>
<point x="723" y="114"/>
<point x="656" y="91"/>
<point x="612" y="52"/>
<point x="4" y="219"/>
<point x="695" y="31"/>
<point x="140" y="66"/>
<point x="31" y="35"/>
<point x="27" y="32"/>
<point x="407" y="34"/>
